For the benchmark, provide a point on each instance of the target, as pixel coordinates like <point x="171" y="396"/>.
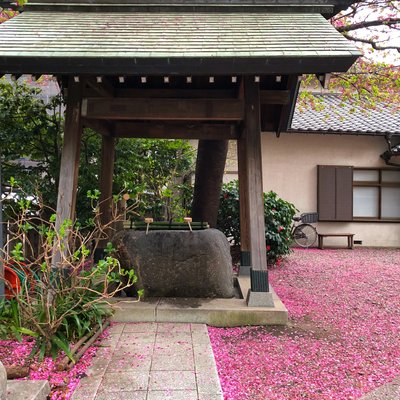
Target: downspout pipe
<point x="393" y="151"/>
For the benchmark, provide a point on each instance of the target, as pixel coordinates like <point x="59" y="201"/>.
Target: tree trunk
<point x="210" y="166"/>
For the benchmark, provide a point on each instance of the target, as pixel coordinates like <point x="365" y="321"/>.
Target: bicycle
<point x="305" y="234"/>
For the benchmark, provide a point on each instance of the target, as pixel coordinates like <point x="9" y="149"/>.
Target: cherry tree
<point x="8" y="9"/>
<point x="375" y="23"/>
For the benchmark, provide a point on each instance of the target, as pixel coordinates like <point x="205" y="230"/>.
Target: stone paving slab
<point x="389" y="391"/>
<point x="130" y="395"/>
<point x="153" y="361"/>
<point x="27" y="390"/>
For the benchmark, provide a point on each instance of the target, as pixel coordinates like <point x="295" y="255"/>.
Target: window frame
<point x="376" y="184"/>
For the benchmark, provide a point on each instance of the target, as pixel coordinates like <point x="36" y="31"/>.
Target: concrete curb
<point x="27" y="390"/>
<point x="213" y="312"/>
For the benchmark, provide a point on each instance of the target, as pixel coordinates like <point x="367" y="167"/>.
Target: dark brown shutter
<point x="326" y="192"/>
<point x="344" y="193"/>
<point x="335" y="193"/>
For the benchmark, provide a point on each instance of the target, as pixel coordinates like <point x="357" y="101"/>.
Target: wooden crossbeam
<point x="103" y="127"/>
<point x="176" y="93"/>
<point x="274" y="97"/>
<point x="103" y="88"/>
<point x="153" y="130"/>
<point x="163" y="109"/>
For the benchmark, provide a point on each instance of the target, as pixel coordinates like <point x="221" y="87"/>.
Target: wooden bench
<point x="350" y="237"/>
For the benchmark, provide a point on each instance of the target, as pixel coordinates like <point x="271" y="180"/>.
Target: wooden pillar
<point x="106" y="184"/>
<point x="210" y="167"/>
<point x="252" y="223"/>
<point x="68" y="182"/>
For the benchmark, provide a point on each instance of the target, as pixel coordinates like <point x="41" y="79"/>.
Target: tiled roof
<point x="343" y="117"/>
<point x="171" y="35"/>
<point x="132" y="38"/>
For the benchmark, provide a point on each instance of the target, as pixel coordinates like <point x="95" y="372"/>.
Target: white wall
<point x="290" y="169"/>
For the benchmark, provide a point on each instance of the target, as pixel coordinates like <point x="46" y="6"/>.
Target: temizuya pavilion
<point x="199" y="69"/>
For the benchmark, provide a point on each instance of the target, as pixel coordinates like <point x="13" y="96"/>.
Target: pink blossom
<point x="62" y="383"/>
<point x="343" y="339"/>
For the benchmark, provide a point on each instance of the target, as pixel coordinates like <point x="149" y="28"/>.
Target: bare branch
<point x="367" y="24"/>
<point x="372" y="43"/>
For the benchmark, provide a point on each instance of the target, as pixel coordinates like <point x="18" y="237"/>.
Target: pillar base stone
<point x="259" y="299"/>
<point x="244" y="270"/>
<point x="3" y="382"/>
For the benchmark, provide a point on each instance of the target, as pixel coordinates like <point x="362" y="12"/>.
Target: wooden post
<point x="252" y="223"/>
<point x="106" y="184"/>
<point x="245" y="241"/>
<point x="68" y="181"/>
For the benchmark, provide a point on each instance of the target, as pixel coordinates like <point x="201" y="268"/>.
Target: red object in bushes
<point x="12" y="278"/>
<point x="20" y="266"/>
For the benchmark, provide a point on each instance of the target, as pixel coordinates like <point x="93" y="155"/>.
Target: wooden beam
<point x="163" y="109"/>
<point x="106" y="184"/>
<point x="67" y="187"/>
<point x="104" y="89"/>
<point x="176" y="93"/>
<point x="287" y="110"/>
<point x="274" y="96"/>
<point x="104" y="128"/>
<point x="252" y="224"/>
<point x="175" y="131"/>
<point x="83" y="65"/>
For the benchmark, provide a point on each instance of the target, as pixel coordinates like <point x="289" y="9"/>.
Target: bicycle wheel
<point x="305" y="235"/>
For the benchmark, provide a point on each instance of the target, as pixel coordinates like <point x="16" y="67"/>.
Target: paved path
<point x="153" y="361"/>
<point x="388" y="391"/>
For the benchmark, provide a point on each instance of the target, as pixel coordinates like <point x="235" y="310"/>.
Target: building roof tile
<point x="333" y="115"/>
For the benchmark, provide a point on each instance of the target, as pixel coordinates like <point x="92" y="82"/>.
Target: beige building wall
<point x="290" y="169"/>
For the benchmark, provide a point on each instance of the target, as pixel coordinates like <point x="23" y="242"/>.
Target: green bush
<point x="278" y="225"/>
<point x="156" y="171"/>
<point x="278" y="220"/>
<point x="64" y="293"/>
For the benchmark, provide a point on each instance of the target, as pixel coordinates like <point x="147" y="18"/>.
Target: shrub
<point x="31" y="137"/>
<point x="63" y="294"/>
<point x="278" y="225"/>
<point x="278" y="220"/>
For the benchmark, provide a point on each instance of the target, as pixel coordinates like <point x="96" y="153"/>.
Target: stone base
<point x="3" y="382"/>
<point x="27" y="390"/>
<point x="215" y="312"/>
<point x="259" y="299"/>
